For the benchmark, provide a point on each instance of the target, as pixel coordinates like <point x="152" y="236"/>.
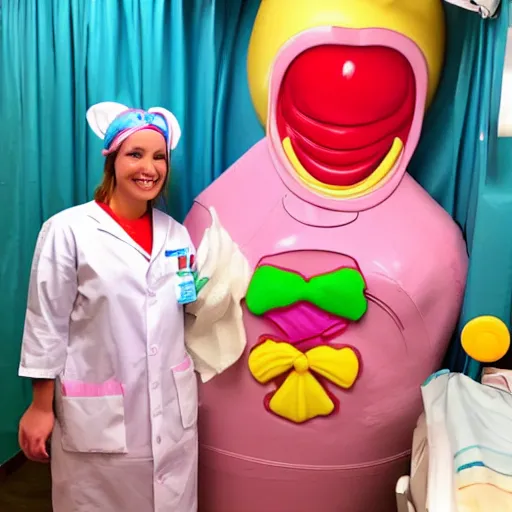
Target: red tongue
<point x="342" y="107"/>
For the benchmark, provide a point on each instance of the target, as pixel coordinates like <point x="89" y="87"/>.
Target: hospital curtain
<point x="58" y="57"/>
<point x="467" y="169"/>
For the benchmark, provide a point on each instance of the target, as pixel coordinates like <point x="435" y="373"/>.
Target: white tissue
<point x="214" y="330"/>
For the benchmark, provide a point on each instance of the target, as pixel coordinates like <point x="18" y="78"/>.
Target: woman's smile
<point x="146" y="184"/>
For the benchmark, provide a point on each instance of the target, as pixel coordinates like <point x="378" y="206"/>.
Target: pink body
<point x="414" y="262"/>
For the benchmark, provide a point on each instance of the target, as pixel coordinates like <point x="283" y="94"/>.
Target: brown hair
<point x="104" y="191"/>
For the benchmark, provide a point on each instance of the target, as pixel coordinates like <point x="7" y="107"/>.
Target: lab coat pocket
<point x="186" y="387"/>
<point x="92" y="420"/>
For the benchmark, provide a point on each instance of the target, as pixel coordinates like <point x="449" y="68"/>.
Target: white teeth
<point x="145" y="184"/>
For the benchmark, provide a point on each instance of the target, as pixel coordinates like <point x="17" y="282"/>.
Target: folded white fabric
<point x="214" y="330"/>
<point x="469" y="427"/>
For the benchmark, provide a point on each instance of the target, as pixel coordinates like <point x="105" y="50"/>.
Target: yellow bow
<point x="301" y="397"/>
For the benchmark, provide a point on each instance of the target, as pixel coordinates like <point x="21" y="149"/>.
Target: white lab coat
<point x="101" y="310"/>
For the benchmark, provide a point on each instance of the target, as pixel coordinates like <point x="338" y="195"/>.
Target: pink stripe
<point x="184" y="365"/>
<point x="120" y="138"/>
<point x="76" y="388"/>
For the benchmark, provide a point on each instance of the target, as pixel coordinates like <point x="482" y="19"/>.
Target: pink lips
<point x="145" y="177"/>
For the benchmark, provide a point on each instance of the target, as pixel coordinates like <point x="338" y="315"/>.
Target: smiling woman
<point x="137" y="145"/>
<point x="135" y="175"/>
<point x="104" y="334"/>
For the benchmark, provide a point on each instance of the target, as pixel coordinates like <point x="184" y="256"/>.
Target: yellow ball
<point x="485" y="339"/>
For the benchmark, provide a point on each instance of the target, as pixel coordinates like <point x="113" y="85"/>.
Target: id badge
<point x="185" y="288"/>
<point x="186" y="291"/>
<point x="186" y="283"/>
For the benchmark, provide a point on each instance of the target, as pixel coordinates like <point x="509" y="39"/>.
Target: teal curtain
<point x="468" y="170"/>
<point x="57" y="57"/>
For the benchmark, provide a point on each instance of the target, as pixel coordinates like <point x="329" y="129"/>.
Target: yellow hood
<point x="277" y="21"/>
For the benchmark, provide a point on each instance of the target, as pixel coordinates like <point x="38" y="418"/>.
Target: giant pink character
<point x="356" y="275"/>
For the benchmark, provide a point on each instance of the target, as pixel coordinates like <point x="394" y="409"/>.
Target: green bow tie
<point x="340" y="292"/>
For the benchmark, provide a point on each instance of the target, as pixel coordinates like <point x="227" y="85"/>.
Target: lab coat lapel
<point x="160" y="228"/>
<point x="107" y="224"/>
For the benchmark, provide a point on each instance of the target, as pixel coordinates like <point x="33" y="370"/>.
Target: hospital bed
<point x="462" y="445"/>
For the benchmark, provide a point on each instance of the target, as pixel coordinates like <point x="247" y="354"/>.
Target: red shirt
<point x="140" y="230"/>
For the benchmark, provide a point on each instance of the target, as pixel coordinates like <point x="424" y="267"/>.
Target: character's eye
<point x="135" y="154"/>
<point x="160" y="156"/>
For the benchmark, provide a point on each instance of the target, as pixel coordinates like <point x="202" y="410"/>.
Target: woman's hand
<point x="36" y="425"/>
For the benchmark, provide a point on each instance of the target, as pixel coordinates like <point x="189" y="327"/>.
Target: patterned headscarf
<point x="114" y="123"/>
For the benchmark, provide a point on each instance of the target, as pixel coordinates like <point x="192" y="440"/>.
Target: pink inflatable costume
<point x="357" y="273"/>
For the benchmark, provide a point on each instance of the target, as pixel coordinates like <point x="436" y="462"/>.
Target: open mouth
<point x="146" y="184"/>
<point x="343" y="110"/>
